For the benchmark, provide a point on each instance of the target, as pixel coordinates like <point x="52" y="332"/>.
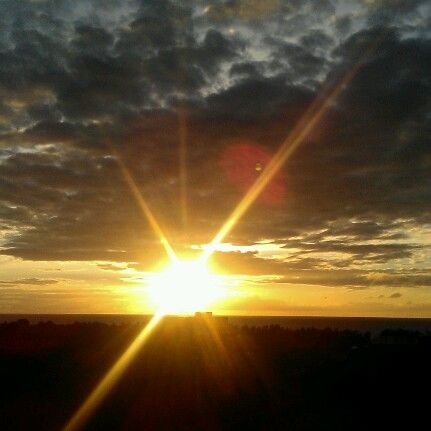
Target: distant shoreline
<point x="364" y="324"/>
<point x="248" y="316"/>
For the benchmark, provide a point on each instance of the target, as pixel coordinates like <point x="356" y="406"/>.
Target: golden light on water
<point x="184" y="287"/>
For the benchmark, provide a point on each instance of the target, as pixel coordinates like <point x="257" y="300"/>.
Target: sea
<point x="374" y="325"/>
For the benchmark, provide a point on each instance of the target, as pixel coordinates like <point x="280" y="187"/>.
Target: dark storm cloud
<point x="242" y="10"/>
<point x="299" y="60"/>
<point x="316" y="39"/>
<point x="247" y="69"/>
<point x="52" y="132"/>
<point x="343" y="24"/>
<point x="388" y="11"/>
<point x="354" y="230"/>
<point x="75" y="208"/>
<point x="76" y="83"/>
<point x="257" y="97"/>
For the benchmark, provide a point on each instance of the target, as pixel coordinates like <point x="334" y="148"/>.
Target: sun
<point x="184" y="287"/>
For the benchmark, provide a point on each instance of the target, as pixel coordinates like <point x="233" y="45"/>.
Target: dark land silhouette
<point x="204" y="374"/>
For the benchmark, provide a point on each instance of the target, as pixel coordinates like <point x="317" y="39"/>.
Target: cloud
<point x="111" y="266"/>
<point x="323" y="271"/>
<point x="28" y="281"/>
<point x="81" y="89"/>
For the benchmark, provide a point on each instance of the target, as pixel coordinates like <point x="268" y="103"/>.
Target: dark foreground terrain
<point x="206" y="375"/>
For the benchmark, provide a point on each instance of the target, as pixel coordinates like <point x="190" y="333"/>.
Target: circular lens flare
<point x="184" y="287"/>
<point x="243" y="162"/>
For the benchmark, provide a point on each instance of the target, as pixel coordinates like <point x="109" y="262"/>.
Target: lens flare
<point x="243" y="162"/>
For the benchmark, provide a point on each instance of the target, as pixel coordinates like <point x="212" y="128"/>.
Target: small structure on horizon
<point x="207" y="316"/>
<point x="203" y="315"/>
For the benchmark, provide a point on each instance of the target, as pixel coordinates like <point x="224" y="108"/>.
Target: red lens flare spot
<point x="243" y="162"/>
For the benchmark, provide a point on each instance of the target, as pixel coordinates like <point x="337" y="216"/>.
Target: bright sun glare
<point x="184" y="287"/>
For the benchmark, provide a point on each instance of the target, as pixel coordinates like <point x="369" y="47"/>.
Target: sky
<point x="192" y="99"/>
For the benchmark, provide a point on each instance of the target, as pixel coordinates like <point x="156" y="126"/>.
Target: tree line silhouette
<point x="206" y="374"/>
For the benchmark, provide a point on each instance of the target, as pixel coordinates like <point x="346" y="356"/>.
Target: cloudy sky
<point x="193" y="98"/>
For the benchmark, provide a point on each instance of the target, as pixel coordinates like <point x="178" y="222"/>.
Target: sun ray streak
<point x="98" y="394"/>
<point x="182" y="153"/>
<point x="305" y="125"/>
<point x="144" y="206"/>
